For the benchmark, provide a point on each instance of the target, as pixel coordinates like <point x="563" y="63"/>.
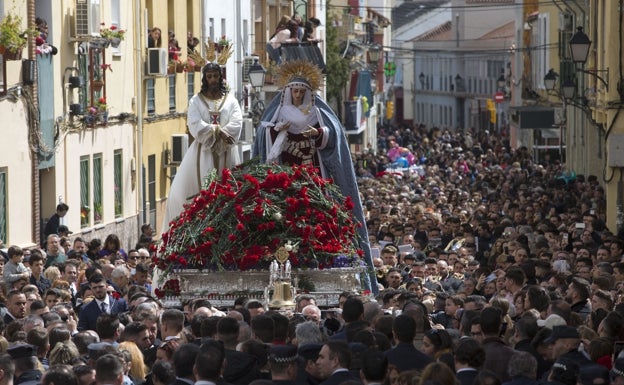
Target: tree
<point x="337" y="67"/>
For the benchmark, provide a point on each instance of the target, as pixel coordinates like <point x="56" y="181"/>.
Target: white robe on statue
<point x="207" y="152"/>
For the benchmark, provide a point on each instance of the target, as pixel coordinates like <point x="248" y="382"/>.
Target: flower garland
<point x="241" y="219"/>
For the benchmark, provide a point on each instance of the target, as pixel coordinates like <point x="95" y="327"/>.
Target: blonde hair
<point x="138" y="370"/>
<point x="64" y="353"/>
<point x="52" y="273"/>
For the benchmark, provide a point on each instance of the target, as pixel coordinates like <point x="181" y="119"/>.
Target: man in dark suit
<point x="352" y="313"/>
<point x="374" y="367"/>
<point x="404" y="355"/>
<point x="469" y="357"/>
<point x="208" y="366"/>
<point x="333" y="363"/>
<point x="102" y="303"/>
<point x="497" y="353"/>
<point x="185" y="364"/>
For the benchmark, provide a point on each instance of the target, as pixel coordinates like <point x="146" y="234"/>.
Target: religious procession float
<point x="267" y="232"/>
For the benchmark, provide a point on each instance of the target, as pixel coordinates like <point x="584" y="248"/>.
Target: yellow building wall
<point x="180" y="17"/>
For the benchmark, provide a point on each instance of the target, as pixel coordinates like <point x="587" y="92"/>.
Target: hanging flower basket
<point x="171" y="69"/>
<point x="114" y="42"/>
<point x="99" y="43"/>
<point x="97" y="85"/>
<point x="13" y="54"/>
<point x="180" y="67"/>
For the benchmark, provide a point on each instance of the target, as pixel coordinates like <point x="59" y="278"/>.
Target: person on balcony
<point x="154" y="39"/>
<point x="286" y="32"/>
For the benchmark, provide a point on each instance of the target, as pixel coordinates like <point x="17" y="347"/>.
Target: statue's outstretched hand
<point x="311" y="132"/>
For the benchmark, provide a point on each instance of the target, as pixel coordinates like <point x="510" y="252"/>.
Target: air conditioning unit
<point x="248" y="61"/>
<point x="157" y="61"/>
<point x="179" y="145"/>
<point x="566" y="21"/>
<point x="87" y="18"/>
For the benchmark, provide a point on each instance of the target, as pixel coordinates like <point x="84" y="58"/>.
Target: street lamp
<point x="459" y="83"/>
<point x="421" y="79"/>
<point x="501" y="82"/>
<point x="374" y="54"/>
<point x="579" y="50"/>
<point x="579" y="46"/>
<point x="550" y="79"/>
<point x="568" y="89"/>
<point x="256" y="78"/>
<point x="256" y="74"/>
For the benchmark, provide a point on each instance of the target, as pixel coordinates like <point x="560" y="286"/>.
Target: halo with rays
<point x="299" y="69"/>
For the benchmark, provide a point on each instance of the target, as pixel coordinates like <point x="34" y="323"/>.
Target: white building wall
<point x="15" y="161"/>
<point x="220" y="20"/>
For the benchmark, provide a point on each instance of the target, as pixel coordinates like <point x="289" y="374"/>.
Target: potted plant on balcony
<point x="113" y="34"/>
<point x="222" y="43"/>
<point x="12" y="37"/>
<point x="98" y="113"/>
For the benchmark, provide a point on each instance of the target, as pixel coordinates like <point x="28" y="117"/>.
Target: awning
<point x="530" y="117"/>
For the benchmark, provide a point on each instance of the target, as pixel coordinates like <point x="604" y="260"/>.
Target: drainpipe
<point x="36" y="187"/>
<point x="138" y="70"/>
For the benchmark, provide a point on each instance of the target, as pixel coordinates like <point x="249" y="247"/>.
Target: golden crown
<point x="212" y="56"/>
<point x="299" y="71"/>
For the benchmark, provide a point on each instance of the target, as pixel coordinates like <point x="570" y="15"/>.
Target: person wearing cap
<point x="14" y="269"/>
<point x="308" y="370"/>
<point x="565" y="371"/>
<point x="283" y="361"/>
<point x="565" y="341"/>
<point x="26" y="362"/>
<point x="63" y="231"/>
<point x="617" y="372"/>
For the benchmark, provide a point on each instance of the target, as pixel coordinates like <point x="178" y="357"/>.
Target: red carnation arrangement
<point x="170" y="288"/>
<point x="240" y="219"/>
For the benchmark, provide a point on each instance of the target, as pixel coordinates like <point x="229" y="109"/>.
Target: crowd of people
<point x="492" y="270"/>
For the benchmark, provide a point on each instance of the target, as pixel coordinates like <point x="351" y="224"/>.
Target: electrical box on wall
<point x="615" y="144"/>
